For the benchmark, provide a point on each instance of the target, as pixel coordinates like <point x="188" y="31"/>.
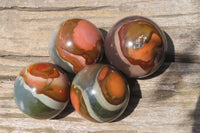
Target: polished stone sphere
<point x="75" y="44"/>
<point x="99" y="93"/>
<point x="41" y="90"/>
<point x="136" y="46"/>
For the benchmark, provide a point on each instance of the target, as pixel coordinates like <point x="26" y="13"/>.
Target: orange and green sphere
<point x="42" y="90"/>
<point x="99" y="93"/>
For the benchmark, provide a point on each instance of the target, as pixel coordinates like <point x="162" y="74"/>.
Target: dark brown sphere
<point x="136" y="46"/>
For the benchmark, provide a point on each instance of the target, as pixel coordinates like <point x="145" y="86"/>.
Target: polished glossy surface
<point x="99" y="93"/>
<point x="136" y="46"/>
<point x="75" y="44"/>
<point x="42" y="90"/>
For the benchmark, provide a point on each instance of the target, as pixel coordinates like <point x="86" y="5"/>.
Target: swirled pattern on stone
<point x="75" y="44"/>
<point x="136" y="46"/>
<point x="99" y="93"/>
<point x="42" y="90"/>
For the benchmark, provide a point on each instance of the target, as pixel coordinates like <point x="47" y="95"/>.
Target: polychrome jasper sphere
<point x="42" y="90"/>
<point x="75" y="44"/>
<point x="136" y="46"/>
<point x="99" y="93"/>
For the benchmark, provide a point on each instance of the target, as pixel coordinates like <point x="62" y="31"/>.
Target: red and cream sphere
<point x="75" y="44"/>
